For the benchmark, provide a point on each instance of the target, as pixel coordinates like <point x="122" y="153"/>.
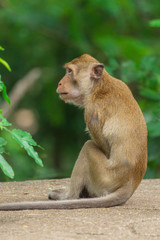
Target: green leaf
<point x="4" y="91"/>
<point x="2" y="149"/>
<point x="32" y="153"/>
<point x="3" y="142"/>
<point x="3" y="121"/>
<point x="1" y="85"/>
<point x="149" y="93"/>
<point x="16" y="137"/>
<point x="5" y="96"/>
<point x="25" y="135"/>
<point x="1" y="48"/>
<point x="154" y="23"/>
<point x="5" y="64"/>
<point x="24" y="139"/>
<point x="6" y="168"/>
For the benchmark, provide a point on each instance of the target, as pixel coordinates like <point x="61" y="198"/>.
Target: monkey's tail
<point x="113" y="199"/>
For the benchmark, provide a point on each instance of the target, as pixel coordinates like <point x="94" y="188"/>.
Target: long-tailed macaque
<point x="109" y="167"/>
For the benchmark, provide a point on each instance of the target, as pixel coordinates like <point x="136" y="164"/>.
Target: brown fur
<point x="111" y="165"/>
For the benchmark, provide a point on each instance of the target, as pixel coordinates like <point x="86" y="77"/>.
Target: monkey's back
<point x="115" y="122"/>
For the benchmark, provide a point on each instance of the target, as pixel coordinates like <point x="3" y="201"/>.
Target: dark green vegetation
<point x="47" y="34"/>
<point x="23" y="138"/>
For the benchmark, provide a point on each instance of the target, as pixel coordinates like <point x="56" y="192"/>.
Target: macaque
<point x="112" y="164"/>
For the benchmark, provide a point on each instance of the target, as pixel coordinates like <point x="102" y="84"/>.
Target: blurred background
<point x="39" y="37"/>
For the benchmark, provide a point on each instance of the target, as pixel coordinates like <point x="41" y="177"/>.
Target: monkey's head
<point x="81" y="73"/>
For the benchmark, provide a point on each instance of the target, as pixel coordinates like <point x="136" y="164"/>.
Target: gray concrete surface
<point x="138" y="219"/>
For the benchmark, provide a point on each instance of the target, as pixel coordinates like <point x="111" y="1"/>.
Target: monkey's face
<point x="78" y="81"/>
<point x="69" y="89"/>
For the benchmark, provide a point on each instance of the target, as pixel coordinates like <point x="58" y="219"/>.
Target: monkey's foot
<point x="57" y="194"/>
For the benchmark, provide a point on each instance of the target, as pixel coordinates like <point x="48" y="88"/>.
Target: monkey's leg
<point x="106" y="174"/>
<point x="100" y="173"/>
<point x="78" y="177"/>
<point x="86" y="175"/>
<point x="88" y="171"/>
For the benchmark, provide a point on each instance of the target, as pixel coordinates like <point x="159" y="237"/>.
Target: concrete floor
<point x="138" y="219"/>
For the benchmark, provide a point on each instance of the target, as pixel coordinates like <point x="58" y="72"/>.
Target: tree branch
<point x="19" y="90"/>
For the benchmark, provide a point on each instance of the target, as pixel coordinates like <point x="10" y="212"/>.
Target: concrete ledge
<point x="138" y="219"/>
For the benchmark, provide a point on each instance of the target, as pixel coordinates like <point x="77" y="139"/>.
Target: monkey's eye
<point x="68" y="70"/>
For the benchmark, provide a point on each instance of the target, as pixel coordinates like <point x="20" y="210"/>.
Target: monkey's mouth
<point x="63" y="93"/>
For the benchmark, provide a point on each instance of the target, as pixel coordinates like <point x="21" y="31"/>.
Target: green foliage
<point x="155" y="23"/>
<point x="6" y="168"/>
<point x="47" y="34"/>
<point x="5" y="64"/>
<point x="23" y="138"/>
<point x="2" y="85"/>
<point x="2" y="61"/>
<point x="4" y="91"/>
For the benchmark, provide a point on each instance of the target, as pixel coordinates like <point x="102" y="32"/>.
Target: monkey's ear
<point x="97" y="70"/>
